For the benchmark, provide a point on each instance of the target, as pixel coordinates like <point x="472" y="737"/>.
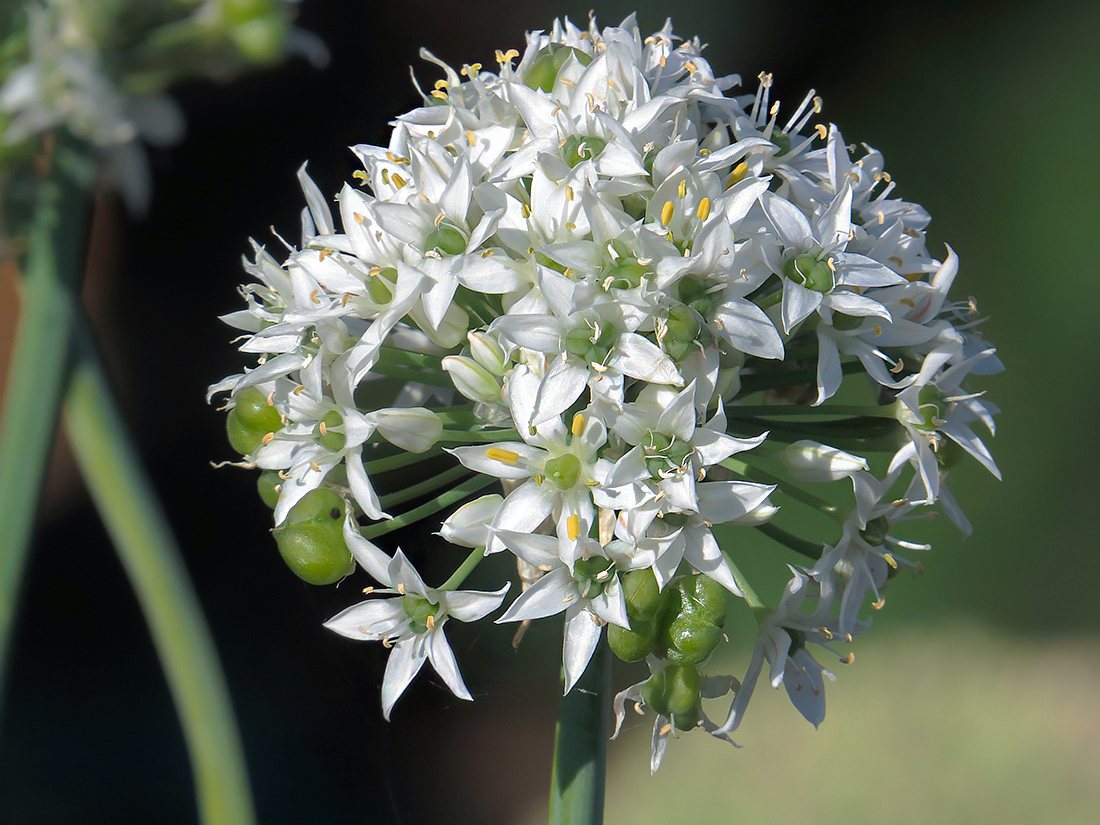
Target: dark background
<point x="985" y="113"/>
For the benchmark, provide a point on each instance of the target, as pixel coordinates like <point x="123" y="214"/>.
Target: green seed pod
<point x="635" y="644"/>
<point x="674" y="692"/>
<point x="644" y="598"/>
<point x="311" y="540"/>
<point x="250" y="420"/>
<point x="419" y="611"/>
<point x="564" y="471"/>
<point x="689" y="639"/>
<point x="331" y="441"/>
<point x="268" y="486"/>
<point x="844" y="323"/>
<point x="702" y="596"/>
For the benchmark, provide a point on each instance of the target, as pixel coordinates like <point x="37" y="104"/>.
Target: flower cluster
<point x="626" y="299"/>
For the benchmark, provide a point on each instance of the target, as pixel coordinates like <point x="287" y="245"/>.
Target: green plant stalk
<point x="442" y="501"/>
<point x="37" y="378"/>
<point x="148" y="551"/>
<point x="580" y="746"/>
<point x="464" y="569"/>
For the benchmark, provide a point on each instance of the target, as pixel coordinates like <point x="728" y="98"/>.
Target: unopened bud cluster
<point x="605" y="304"/>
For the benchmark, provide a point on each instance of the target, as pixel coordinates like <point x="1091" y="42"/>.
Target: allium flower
<point x="591" y="279"/>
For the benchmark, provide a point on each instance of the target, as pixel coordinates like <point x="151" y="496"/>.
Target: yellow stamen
<point x="573" y="524"/>
<point x="359" y="174"/>
<point x="569" y="193"/>
<point x="666" y="213"/>
<point x="441" y="84"/>
<point x="429" y="622"/>
<point x="822" y="132"/>
<point x="313" y="297"/>
<point x="851" y="657"/>
<point x="313" y="465"/>
<point x="398" y="181"/>
<point x="267" y="439"/>
<point x="497" y="454"/>
<point x="439" y="94"/>
<point x="877" y="328"/>
<point x="682" y="190"/>
<point x="358" y="218"/>
<point x="470" y="137"/>
<point x="577" y="427"/>
<point x="890" y="560"/>
<point x="702" y="212"/>
<point x="525" y="210"/>
<point x="738" y="174"/>
<point x="367" y="591"/>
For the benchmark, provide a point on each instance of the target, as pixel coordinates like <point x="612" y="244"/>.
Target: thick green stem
<point x="580" y="746"/>
<point x="37" y="378"/>
<point x="148" y="551"/>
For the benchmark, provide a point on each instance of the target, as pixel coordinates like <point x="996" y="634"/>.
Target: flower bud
<point x="472" y="380"/>
<point x="487" y="352"/>
<point x="468" y="526"/>
<point x="817" y="463"/>
<point x="414" y="429"/>
<point x="761" y="515"/>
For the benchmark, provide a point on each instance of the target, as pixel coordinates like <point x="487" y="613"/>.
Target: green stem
<point x="37" y="378"/>
<point x="751" y="599"/>
<point x="426" y="486"/>
<point x="148" y="551"/>
<point x="782" y="378"/>
<point x="787" y="488"/>
<point x="417" y="374"/>
<point x="401" y="459"/>
<point x="479" y="435"/>
<point x="464" y="569"/>
<point x="833" y="411"/>
<point x="791" y="541"/>
<point x="580" y="746"/>
<point x="452" y="496"/>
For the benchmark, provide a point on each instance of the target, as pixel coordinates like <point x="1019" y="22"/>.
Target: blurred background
<point x="973" y="698"/>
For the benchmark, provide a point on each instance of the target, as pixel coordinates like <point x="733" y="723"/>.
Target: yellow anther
<point x="682" y="189"/>
<point x="666" y="213"/>
<point x="470" y="137"/>
<point x="299" y="389"/>
<point x="577" y="427"/>
<point x="506" y="57"/>
<point x="881" y="219"/>
<point x="881" y="603"/>
<point x="398" y="181"/>
<point x="877" y="328"/>
<point x="429" y="622"/>
<point x="909" y="302"/>
<point x="284" y="475"/>
<point x="498" y="454"/>
<point x="545" y="568"/>
<point x="441" y="84"/>
<point x="359" y="174"/>
<point x="691" y="67"/>
<point x="738" y="174"/>
<point x="826" y="633"/>
<point x="570" y="225"/>
<point x="374" y="270"/>
<point x="667" y="728"/>
<point x="822" y="132"/>
<point x="324" y="254"/>
<point x="313" y="465"/>
<point x="385" y="176"/>
<point x="525" y="210"/>
<point x="890" y="560"/>
<point x="267" y="439"/>
<point x="573" y="525"/>
<point x="569" y="193"/>
<point x="367" y="591"/>
<point x="817" y="105"/>
<point x="401" y="588"/>
<point x="313" y="297"/>
<point x="358" y="217"/>
<point x="851" y="657"/>
<point x="320" y="426"/>
<point x="765" y="79"/>
<point x="439" y="94"/>
<point x="487" y="253"/>
<point x="774" y="110"/>
<point x="663" y="62"/>
<point x="895" y="259"/>
<point x="702" y="211"/>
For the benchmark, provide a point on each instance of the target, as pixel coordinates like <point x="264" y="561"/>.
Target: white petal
<point x="582" y="634"/>
<point x="405" y="662"/>
<point x="443" y="660"/>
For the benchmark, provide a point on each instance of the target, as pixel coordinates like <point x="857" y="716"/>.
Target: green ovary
<point x="565" y="470"/>
<point x="810" y="271"/>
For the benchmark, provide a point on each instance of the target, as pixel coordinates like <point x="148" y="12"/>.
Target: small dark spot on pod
<point x="335" y="513"/>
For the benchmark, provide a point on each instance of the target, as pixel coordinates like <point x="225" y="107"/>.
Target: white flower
<point x="411" y="622"/>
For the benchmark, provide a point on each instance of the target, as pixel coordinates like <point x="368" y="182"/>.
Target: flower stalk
<point x="147" y="548"/>
<point x="36" y="384"/>
<point x="580" y="747"/>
